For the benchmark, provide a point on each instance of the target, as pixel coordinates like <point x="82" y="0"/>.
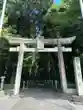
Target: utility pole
<point x="2" y="16"/>
<point x="81" y="7"/>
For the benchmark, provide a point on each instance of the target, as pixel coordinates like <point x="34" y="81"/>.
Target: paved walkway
<point x="7" y="104"/>
<point x="39" y="99"/>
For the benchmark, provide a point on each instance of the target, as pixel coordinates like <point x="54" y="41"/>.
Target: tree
<point x="70" y="24"/>
<point x="4" y="51"/>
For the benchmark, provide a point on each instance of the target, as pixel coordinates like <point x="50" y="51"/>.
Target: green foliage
<point x="4" y="44"/>
<point x="56" y="17"/>
<point x="4" y="51"/>
<point x="4" y="48"/>
<point x="31" y="62"/>
<point x="69" y="22"/>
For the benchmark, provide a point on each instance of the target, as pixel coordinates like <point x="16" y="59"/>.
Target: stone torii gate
<point x="40" y="41"/>
<point x="40" y="48"/>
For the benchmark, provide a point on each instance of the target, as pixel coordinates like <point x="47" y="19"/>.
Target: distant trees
<point x="68" y="18"/>
<point x="4" y="50"/>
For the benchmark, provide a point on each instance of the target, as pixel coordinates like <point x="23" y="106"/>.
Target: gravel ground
<point x="42" y="99"/>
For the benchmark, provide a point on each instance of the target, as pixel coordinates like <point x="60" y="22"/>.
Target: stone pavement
<point x="7" y="104"/>
<point x="39" y="99"/>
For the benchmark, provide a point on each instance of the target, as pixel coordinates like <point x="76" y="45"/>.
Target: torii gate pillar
<point x="62" y="68"/>
<point x="19" y="70"/>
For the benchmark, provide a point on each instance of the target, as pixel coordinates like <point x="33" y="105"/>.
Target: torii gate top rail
<point x="63" y="41"/>
<point x="40" y="41"/>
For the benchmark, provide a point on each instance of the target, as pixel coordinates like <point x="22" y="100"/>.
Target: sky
<point x="57" y="2"/>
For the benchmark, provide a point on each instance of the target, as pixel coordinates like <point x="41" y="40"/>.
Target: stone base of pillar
<point x="2" y="93"/>
<point x="80" y="90"/>
<point x="15" y="96"/>
<point x="71" y="91"/>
